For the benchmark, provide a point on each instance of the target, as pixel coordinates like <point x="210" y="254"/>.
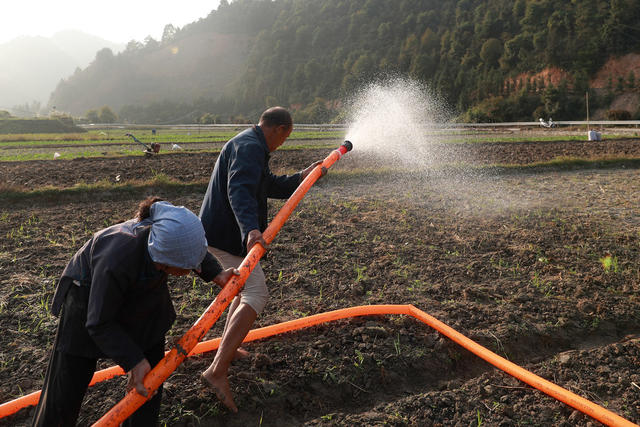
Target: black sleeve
<point x="209" y="268"/>
<point x="108" y="289"/>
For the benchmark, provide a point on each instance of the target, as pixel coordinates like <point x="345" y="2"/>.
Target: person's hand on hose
<point x="136" y="375"/>
<point x="309" y="169"/>
<point x="223" y="277"/>
<point x="255" y="236"/>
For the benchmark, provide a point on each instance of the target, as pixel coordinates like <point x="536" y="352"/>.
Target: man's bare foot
<point x="241" y="353"/>
<point x="220" y="387"/>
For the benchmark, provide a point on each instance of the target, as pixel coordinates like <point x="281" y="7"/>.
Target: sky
<point x="114" y="20"/>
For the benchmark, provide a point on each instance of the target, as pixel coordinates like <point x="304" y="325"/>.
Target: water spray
<point x="394" y="118"/>
<point x="402" y="128"/>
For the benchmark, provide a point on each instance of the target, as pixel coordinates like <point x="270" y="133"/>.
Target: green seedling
<point x="610" y="264"/>
<point x="359" y="359"/>
<point x="542" y="285"/>
<point x="396" y="345"/>
<point x="329" y="374"/>
<point x="360" y="271"/>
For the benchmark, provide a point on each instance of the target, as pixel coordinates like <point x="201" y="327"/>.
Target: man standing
<point x="234" y="215"/>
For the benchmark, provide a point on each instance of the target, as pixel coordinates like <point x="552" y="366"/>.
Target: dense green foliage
<point x="480" y="56"/>
<point x="105" y="115"/>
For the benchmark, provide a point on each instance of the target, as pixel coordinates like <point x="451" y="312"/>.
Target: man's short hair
<point x="276" y="116"/>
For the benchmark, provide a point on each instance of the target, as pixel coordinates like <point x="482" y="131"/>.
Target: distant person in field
<point x="234" y="215"/>
<point x="114" y="302"/>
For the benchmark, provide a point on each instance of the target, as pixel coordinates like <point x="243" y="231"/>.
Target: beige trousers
<point x="254" y="292"/>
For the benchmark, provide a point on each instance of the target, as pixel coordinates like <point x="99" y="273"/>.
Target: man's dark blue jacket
<point x="236" y="199"/>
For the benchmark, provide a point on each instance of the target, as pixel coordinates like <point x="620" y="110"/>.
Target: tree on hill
<point x="92" y="116"/>
<point x="106" y="115"/>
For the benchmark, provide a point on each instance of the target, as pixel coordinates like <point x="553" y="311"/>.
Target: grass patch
<point x="25" y="157"/>
<point x="103" y="189"/>
<point x="131" y="150"/>
<point x="146" y="136"/>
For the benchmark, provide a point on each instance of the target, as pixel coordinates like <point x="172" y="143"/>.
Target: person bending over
<point x="114" y="302"/>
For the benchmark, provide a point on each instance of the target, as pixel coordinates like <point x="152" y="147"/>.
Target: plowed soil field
<point x="539" y="266"/>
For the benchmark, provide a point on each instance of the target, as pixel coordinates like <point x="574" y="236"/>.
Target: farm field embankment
<point x="540" y="266"/>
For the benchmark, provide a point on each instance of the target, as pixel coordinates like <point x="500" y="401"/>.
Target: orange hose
<point x="305" y="322"/>
<point x="597" y="412"/>
<point x="13" y="406"/>
<point x="31" y="399"/>
<point x="133" y="400"/>
<point x="583" y="405"/>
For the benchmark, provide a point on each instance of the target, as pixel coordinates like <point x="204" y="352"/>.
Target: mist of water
<point x="399" y="125"/>
<point x="396" y="120"/>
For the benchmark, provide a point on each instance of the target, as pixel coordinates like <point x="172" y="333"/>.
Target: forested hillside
<point x="490" y="59"/>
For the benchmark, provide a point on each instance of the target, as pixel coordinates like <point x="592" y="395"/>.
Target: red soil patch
<point x="615" y="68"/>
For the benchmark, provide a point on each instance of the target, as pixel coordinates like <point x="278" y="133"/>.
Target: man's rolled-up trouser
<point x="254" y="292"/>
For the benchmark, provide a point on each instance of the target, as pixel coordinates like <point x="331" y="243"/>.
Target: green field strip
<point x="127" y="152"/>
<point x="105" y="190"/>
<point x="120" y="138"/>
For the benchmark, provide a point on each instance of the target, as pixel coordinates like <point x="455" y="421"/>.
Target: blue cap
<point x="177" y="237"/>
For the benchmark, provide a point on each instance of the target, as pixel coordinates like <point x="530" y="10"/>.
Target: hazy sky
<point x="115" y="20"/>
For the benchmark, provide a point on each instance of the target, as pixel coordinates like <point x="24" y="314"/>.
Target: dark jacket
<point x="236" y="199"/>
<point x="121" y="304"/>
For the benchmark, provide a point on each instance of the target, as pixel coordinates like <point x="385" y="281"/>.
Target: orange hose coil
<point x="597" y="412"/>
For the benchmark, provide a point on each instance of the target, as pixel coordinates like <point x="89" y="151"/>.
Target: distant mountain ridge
<point x="191" y="67"/>
<point x="32" y="66"/>
<point x="82" y="46"/>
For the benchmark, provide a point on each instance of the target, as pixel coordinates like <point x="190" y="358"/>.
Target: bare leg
<point x="238" y="325"/>
<point x="232" y="308"/>
<point x="241" y="353"/>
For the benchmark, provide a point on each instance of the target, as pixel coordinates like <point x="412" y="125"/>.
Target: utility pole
<point x="587" y="97"/>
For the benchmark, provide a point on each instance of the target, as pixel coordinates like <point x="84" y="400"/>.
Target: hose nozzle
<point x="348" y="145"/>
